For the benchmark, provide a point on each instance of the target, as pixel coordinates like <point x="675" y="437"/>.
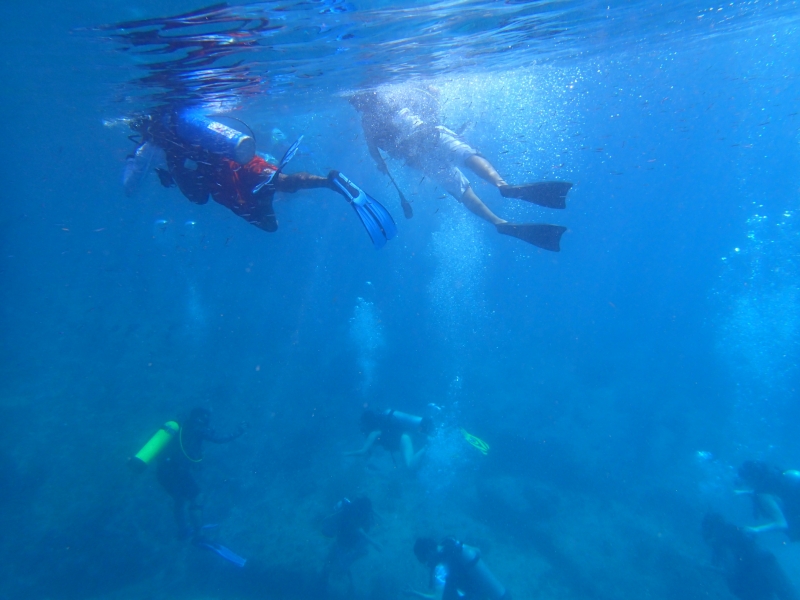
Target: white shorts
<point x="450" y="152"/>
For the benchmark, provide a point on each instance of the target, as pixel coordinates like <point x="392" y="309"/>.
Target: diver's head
<point x="761" y="476"/>
<point x="140" y="123"/>
<point x="199" y="417"/>
<point x="427" y="551"/>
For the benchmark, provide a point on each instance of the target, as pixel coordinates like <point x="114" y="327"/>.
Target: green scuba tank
<point x="154" y="446"/>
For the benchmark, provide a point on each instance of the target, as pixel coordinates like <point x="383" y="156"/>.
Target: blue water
<point x="618" y="382"/>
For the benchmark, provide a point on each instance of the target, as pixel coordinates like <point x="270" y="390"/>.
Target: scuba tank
<point x="490" y="585"/>
<point x="197" y="129"/>
<point x="138" y="165"/>
<point x="154" y="446"/>
<point x="467" y="562"/>
<point x="406" y="421"/>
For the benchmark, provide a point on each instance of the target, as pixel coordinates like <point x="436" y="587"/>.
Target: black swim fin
<point x="165" y="177"/>
<point x="539" y="234"/>
<point x="376" y="219"/>
<point x="551" y="194"/>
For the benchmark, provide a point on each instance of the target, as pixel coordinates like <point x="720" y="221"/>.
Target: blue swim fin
<point x="224" y="552"/>
<point x="376" y="219"/>
<point x="288" y="155"/>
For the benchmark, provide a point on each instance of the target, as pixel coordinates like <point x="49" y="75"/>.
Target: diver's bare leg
<point x="477" y="207"/>
<point x="484" y="169"/>
<point x="412" y="460"/>
<point x="301" y="181"/>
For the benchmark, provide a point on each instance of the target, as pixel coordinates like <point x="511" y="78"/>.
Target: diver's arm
<point x="371" y="439"/>
<point x="212" y="436"/>
<point x="769" y="506"/>
<point x="369" y="540"/>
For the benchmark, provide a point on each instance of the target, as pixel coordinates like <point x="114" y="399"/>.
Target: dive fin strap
<point x="288" y="155"/>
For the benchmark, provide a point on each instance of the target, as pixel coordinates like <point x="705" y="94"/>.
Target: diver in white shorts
<point x="411" y="133"/>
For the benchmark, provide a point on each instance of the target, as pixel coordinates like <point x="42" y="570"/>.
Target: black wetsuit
<point x="750" y="572"/>
<point x="174" y="470"/>
<point x="756" y="575"/>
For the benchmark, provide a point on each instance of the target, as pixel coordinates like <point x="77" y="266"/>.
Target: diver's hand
<point x="751" y="531"/>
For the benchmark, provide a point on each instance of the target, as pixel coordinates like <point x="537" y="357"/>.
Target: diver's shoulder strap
<point x="186" y="454"/>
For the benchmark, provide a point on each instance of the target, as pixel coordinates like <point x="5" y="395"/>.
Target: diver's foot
<point x="550" y="194"/>
<point x="269" y="223"/>
<point x="342" y="185"/>
<point x="542" y="235"/>
<point x="267" y="219"/>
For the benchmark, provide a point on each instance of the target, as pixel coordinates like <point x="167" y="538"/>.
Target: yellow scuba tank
<point x="154" y="446"/>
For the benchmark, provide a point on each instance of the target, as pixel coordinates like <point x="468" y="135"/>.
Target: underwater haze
<point x="618" y="383"/>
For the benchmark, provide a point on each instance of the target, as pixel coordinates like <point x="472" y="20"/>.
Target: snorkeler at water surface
<point x="406" y="126"/>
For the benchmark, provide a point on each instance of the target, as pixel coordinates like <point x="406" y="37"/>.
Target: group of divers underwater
<point x="207" y="155"/>
<point x="457" y="570"/>
<point x="204" y="157"/>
